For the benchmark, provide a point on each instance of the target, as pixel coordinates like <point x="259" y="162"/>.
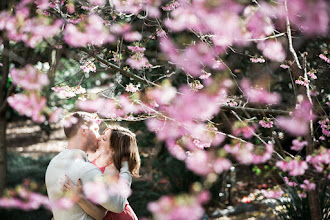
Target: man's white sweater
<point x="75" y="165"/>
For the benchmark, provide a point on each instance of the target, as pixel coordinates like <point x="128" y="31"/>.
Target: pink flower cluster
<point x="29" y="78"/>
<point x="187" y="111"/>
<point x="272" y="50"/>
<point x="325" y="125"/>
<point x="135" y="7"/>
<point x="320" y="160"/>
<point x="292" y="184"/>
<point x="192" y="60"/>
<point x="31" y="31"/>
<point x="284" y="66"/>
<point x="27" y="201"/>
<point x="132" y="88"/>
<point x="259" y="95"/>
<point x="312" y="74"/>
<point x="244" y="153"/>
<point x="294" y="167"/>
<point x="323" y="57"/>
<point x="179" y="207"/>
<point x="173" y="5"/>
<point x="308" y="185"/>
<point x="298" y="145"/>
<point x="110" y="108"/>
<point x="196" y="85"/>
<point x="298" y="123"/>
<point x="242" y="128"/>
<point x="302" y="81"/>
<point x="257" y="60"/>
<point x="88" y="66"/>
<point x="275" y="193"/>
<point x="94" y="33"/>
<point x="68" y="92"/>
<point x="266" y="123"/>
<point x="138" y="60"/>
<point x="30" y="105"/>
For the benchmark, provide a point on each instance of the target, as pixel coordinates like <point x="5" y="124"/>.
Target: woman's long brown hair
<point x="123" y="143"/>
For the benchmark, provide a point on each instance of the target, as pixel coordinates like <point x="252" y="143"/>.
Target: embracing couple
<point x="116" y="159"/>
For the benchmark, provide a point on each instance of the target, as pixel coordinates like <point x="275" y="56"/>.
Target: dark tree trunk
<point x="3" y="154"/>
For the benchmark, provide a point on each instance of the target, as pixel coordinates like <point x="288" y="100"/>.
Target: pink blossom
<point x="257" y="23"/>
<point x="55" y="115"/>
<point x="302" y="81"/>
<point x="195" y="85"/>
<point x="323" y="57"/>
<point x="266" y="123"/>
<point x="132" y="88"/>
<point x="298" y="123"/>
<point x="136" y="49"/>
<point x="257" y="60"/>
<point x="198" y="161"/>
<point x="221" y="164"/>
<point x="169" y="7"/>
<point x="69" y="121"/>
<point x="319" y="159"/>
<point x="88" y="66"/>
<point x="179" y="207"/>
<point x="240" y="128"/>
<point x="137" y="62"/>
<point x="295" y="167"/>
<point x="163" y="95"/>
<point x="274" y="194"/>
<point x="308" y="185"/>
<point x="132" y="36"/>
<point x="298" y="145"/>
<point x="95" y="192"/>
<point x="259" y="95"/>
<point x="325" y="126"/>
<point x="205" y="75"/>
<point x="284" y="66"/>
<point x="95" y="33"/>
<point x="176" y="150"/>
<point x="243" y="152"/>
<point x="312" y="74"/>
<point x="272" y="50"/>
<point x="263" y="158"/>
<point x="64" y="92"/>
<point x="29" y="78"/>
<point x="30" y="105"/>
<point x="292" y="184"/>
<point x="98" y="2"/>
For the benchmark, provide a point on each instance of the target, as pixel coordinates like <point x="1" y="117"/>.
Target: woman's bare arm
<point x="96" y="212"/>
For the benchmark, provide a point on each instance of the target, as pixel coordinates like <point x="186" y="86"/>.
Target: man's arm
<point x="118" y="194"/>
<point x="96" y="212"/>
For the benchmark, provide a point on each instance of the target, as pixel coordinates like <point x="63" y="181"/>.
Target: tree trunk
<point x="3" y="154"/>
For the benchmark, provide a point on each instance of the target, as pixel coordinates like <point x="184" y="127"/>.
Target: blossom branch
<point x="256" y="110"/>
<point x="290" y="36"/>
<point x="114" y="67"/>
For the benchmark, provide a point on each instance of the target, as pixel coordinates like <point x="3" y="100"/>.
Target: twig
<point x="116" y="68"/>
<point x="256" y="110"/>
<point x="290" y="36"/>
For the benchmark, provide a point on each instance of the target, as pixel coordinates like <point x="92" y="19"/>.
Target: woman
<point x="115" y="143"/>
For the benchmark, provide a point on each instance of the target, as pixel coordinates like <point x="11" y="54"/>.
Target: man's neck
<point x="74" y="143"/>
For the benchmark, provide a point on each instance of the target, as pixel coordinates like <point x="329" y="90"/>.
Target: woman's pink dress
<point x="127" y="214"/>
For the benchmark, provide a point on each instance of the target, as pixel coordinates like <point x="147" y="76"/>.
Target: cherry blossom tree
<point x="175" y="65"/>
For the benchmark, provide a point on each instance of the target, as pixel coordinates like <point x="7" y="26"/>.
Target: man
<point x="82" y="137"/>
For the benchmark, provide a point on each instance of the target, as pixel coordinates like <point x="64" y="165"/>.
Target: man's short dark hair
<point x="82" y="118"/>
